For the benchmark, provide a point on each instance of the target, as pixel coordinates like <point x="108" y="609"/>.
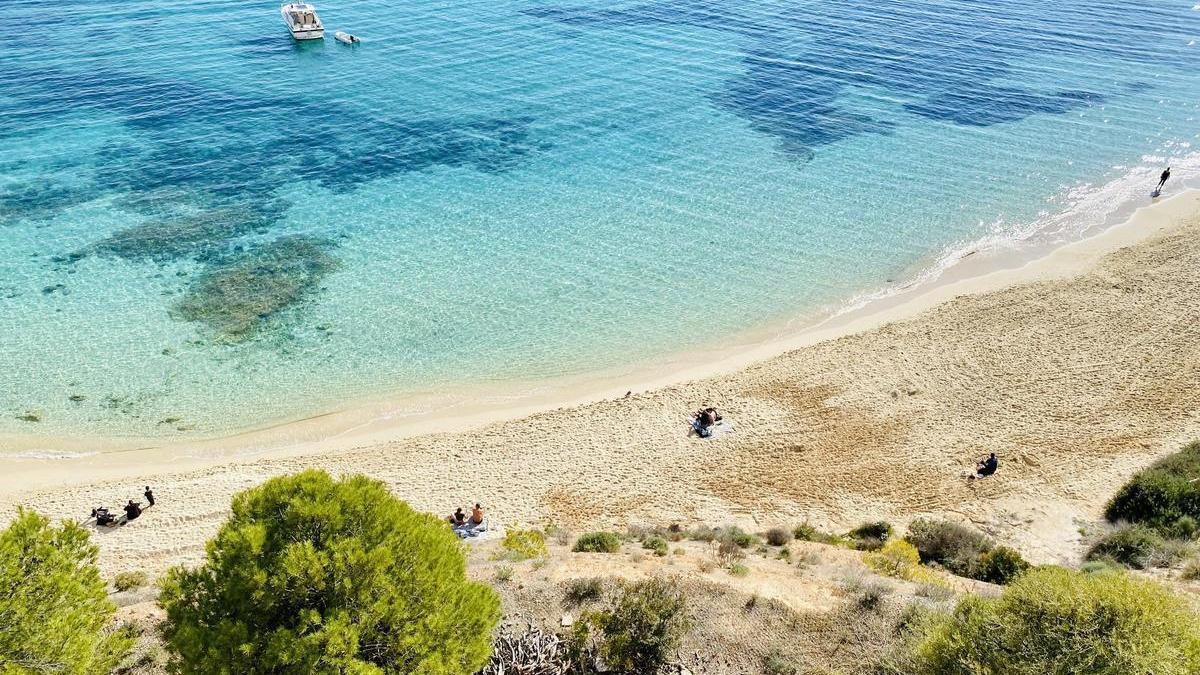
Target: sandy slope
<point x="1074" y="382"/>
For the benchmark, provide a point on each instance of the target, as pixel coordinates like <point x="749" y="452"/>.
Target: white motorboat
<point x="346" y="38"/>
<point x="302" y="20"/>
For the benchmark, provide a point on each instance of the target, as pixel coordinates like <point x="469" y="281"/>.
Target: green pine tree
<point x="312" y="575"/>
<point x="55" y="616"/>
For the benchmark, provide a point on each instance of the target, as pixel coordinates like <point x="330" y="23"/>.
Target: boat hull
<point x="309" y="34"/>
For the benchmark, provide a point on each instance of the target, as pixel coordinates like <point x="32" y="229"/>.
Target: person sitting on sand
<point x="458" y="519"/>
<point x="132" y="510"/>
<point x="477" y="515"/>
<point x="986" y="467"/>
<point x="703" y="421"/>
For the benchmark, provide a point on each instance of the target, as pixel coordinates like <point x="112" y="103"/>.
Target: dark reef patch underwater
<point x="236" y="297"/>
<point x="801" y="60"/>
<point x="198" y="196"/>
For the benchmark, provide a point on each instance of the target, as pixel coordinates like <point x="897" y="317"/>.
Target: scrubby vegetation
<point x="1137" y="546"/>
<point x="637" y="633"/>
<point x="867" y="594"/>
<point x="964" y="551"/>
<point x="870" y="536"/>
<point x="1053" y="620"/>
<point x="778" y="664"/>
<point x="598" y="542"/>
<point x="521" y="545"/>
<point x="582" y="591"/>
<point x="778" y="536"/>
<point x="310" y="574"/>
<point x="127" y="581"/>
<point x="55" y="616"/>
<point x="1164" y="497"/>
<point x="807" y="532"/>
<point x="656" y="544"/>
<point x="897" y="558"/>
<point x="1002" y="565"/>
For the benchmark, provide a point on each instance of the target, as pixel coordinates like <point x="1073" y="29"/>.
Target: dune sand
<point x="1076" y="369"/>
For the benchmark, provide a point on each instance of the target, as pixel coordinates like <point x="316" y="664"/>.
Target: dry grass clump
<point x="126" y="581"/>
<point x="778" y="536"/>
<point x="578" y="592"/>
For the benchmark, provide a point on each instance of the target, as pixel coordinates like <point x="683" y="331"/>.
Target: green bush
<point x="870" y="536"/>
<point x="955" y="547"/>
<point x="1162" y="494"/>
<point x="638" y="633"/>
<point x="55" y="616"/>
<point x="1135" y="546"/>
<point x="738" y="570"/>
<point x="522" y="545"/>
<point x="656" y="544"/>
<point x="598" y="542"/>
<point x="806" y="532"/>
<point x="313" y="575"/>
<point x="1053" y="620"/>
<point x="126" y="581"/>
<point x="1184" y="527"/>
<point x="777" y="536"/>
<point x="736" y="535"/>
<point x="1001" y="565"/>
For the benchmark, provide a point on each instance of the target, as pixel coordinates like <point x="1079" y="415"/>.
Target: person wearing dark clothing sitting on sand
<point x="132" y="510"/>
<point x="149" y="496"/>
<point x="986" y="467"/>
<point x="703" y="421"/>
<point x="458" y="519"/>
<point x="103" y="517"/>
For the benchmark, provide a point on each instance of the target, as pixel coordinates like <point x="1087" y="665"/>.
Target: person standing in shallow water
<point x="1162" y="180"/>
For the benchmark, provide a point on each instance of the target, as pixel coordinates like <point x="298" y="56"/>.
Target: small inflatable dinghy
<point x="346" y="38"/>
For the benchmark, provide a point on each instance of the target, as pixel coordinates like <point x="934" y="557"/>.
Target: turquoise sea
<point x="205" y="226"/>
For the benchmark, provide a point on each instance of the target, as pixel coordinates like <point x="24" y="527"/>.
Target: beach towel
<point x="718" y="429"/>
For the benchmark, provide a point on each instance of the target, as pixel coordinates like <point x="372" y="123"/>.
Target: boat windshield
<point x="303" y="18"/>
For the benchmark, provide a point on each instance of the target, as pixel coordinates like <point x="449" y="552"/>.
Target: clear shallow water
<point x="207" y="226"/>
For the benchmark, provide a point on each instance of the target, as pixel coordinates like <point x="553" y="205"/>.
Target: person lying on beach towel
<point x="985" y="467"/>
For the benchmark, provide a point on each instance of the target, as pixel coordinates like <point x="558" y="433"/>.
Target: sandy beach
<point x="1076" y="369"/>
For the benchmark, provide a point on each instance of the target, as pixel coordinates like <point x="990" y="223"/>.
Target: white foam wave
<point x="1079" y="211"/>
<point x="46" y="454"/>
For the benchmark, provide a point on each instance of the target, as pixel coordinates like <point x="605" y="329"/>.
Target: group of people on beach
<point x="468" y="526"/>
<point x="133" y="510"/>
